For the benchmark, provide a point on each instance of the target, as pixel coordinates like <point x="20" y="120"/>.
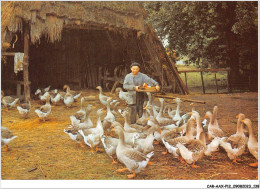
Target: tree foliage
<point x="215" y="33"/>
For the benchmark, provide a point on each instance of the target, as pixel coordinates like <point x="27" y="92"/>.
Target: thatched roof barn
<point x="83" y="44"/>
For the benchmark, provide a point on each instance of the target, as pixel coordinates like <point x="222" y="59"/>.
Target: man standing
<point x="135" y="98"/>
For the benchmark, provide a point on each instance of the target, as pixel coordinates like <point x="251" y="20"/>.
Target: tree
<point x="216" y="34"/>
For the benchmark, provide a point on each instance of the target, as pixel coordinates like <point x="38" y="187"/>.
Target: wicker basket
<point x="147" y="89"/>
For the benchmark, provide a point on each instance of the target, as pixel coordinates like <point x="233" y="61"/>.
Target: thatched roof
<point x="49" y="18"/>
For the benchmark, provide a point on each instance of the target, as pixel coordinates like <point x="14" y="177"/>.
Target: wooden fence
<point x="229" y="86"/>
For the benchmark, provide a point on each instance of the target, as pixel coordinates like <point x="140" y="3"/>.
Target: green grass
<point x="195" y="84"/>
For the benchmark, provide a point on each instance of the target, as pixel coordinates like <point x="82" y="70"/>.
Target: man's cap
<point x="135" y="64"/>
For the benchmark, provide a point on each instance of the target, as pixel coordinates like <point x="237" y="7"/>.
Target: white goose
<point x="68" y="98"/>
<point x="75" y="135"/>
<point x="85" y="123"/>
<point x="42" y="95"/>
<point x="55" y="99"/>
<point x="212" y="147"/>
<point x="177" y="116"/>
<point x="44" y="110"/>
<point x="92" y="136"/>
<point x="103" y="98"/>
<point x="110" y="144"/>
<point x="75" y="94"/>
<point x="252" y="142"/>
<point x="24" y="109"/>
<point x="134" y="160"/>
<point x="110" y="117"/>
<point x="81" y="114"/>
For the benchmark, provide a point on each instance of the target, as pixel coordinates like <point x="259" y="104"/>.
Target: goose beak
<point x="205" y="116"/>
<point x="113" y="129"/>
<point x="191" y="104"/>
<point x="190" y="113"/>
<point x="93" y="107"/>
<point x="145" y="107"/>
<point x="111" y="126"/>
<point x="160" y="130"/>
<point x="148" y="119"/>
<point x="237" y="116"/>
<point x="243" y="121"/>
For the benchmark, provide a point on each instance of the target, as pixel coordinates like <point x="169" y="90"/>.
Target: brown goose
<point x="6" y="136"/>
<point x="235" y="145"/>
<point x="8" y="101"/>
<point x="171" y="143"/>
<point x="193" y="150"/>
<point x="131" y="127"/>
<point x="134" y="160"/>
<point x="252" y="142"/>
<point x="163" y="120"/>
<point x="213" y="127"/>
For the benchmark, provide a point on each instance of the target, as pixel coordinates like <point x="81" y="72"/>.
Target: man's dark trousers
<point x="136" y="108"/>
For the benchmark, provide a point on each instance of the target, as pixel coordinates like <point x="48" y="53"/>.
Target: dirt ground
<point x="43" y="151"/>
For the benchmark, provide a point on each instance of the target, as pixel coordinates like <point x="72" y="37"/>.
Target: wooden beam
<point x="229" y="82"/>
<point x="182" y="99"/>
<point x="8" y="53"/>
<point x="139" y="50"/>
<point x="205" y="70"/>
<point x="162" y="77"/>
<point x="26" y="62"/>
<point x="171" y="65"/>
<point x="216" y="81"/>
<point x="203" y="88"/>
<point x="186" y="80"/>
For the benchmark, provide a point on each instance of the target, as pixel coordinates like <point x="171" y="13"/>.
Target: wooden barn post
<point x="26" y="62"/>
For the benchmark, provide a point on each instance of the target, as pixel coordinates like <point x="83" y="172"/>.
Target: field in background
<point x="195" y="84"/>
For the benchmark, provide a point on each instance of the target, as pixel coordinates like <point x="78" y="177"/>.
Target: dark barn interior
<point x="81" y="59"/>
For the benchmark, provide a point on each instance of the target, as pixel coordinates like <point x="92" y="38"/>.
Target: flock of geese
<point x="185" y="136"/>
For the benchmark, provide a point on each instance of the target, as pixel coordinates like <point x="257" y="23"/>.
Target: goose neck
<point x="251" y="132"/>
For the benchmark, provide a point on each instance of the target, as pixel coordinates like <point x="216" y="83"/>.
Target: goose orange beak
<point x="237" y="116"/>
<point x="190" y="113"/>
<point x="113" y="129"/>
<point x="243" y="121"/>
